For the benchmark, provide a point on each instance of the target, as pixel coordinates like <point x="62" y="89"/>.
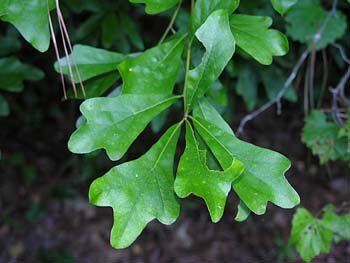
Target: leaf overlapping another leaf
<point x="193" y="176"/>
<point x="212" y="34"/>
<point x="263" y="177"/>
<point x="114" y="123"/>
<point x="155" y="71"/>
<point x="204" y="8"/>
<point x="140" y="191"/>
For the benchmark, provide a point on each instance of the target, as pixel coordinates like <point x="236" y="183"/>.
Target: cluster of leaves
<point x="13" y="71"/>
<point x="313" y="236"/>
<point x="183" y="67"/>
<point x="145" y="189"/>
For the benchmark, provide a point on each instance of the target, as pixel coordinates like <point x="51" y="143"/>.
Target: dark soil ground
<point x="45" y="215"/>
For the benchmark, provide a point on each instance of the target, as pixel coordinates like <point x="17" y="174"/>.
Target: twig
<point x="171" y="24"/>
<point x="338" y="93"/>
<point x="277" y="100"/>
<point x="317" y="38"/>
<point x="342" y="53"/>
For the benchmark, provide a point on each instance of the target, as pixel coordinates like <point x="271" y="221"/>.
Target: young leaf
<point x="154" y="71"/>
<point x="308" y="235"/>
<point x="156" y="6"/>
<point x="30" y="18"/>
<point x="253" y="35"/>
<point x="282" y="6"/>
<point x="303" y="27"/>
<point x="114" y="123"/>
<point x="322" y="137"/>
<point x="204" y="8"/>
<point x="140" y="191"/>
<point x="194" y="176"/>
<point x="213" y="33"/>
<point x="14" y="72"/>
<point x="263" y="177"/>
<point x="91" y="62"/>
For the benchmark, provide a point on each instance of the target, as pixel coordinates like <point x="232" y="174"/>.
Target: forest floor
<point x="45" y="215"/>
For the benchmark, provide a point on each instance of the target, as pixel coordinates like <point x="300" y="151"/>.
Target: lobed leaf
<point x="308" y="235"/>
<point x="213" y="33"/>
<point x="321" y="136"/>
<point x="263" y="177"/>
<point x="114" y="123"/>
<point x="253" y="35"/>
<point x="194" y="177"/>
<point x="140" y="191"/>
<point x="30" y="18"/>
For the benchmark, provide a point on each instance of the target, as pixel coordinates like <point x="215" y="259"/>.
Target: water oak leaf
<point x="14" y="72"/>
<point x="140" y="191"/>
<point x="309" y="236"/>
<point x="302" y="26"/>
<point x="321" y="136"/>
<point x="155" y="71"/>
<point x="114" y="123"/>
<point x="203" y="8"/>
<point x="282" y="6"/>
<point x="212" y="34"/>
<point x="252" y="34"/>
<point x="30" y="18"/>
<point x="194" y="177"/>
<point x="91" y="62"/>
<point x="263" y="177"/>
<point x="156" y="6"/>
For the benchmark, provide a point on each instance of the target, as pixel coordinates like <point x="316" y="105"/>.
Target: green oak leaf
<point x="263" y="177"/>
<point x="212" y="34"/>
<point x="4" y="107"/>
<point x="194" y="177"/>
<point x="91" y="62"/>
<point x="140" y="191"/>
<point x="14" y="72"/>
<point x="30" y="18"/>
<point x="203" y="8"/>
<point x="282" y="6"/>
<point x="155" y="71"/>
<point x="253" y="35"/>
<point x="309" y="236"/>
<point x="321" y="136"/>
<point x="302" y="26"/>
<point x="114" y="123"/>
<point x="156" y="6"/>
